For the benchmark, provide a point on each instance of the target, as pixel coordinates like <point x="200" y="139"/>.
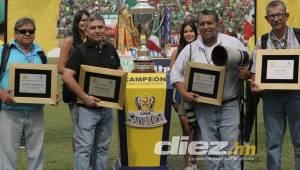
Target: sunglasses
<point x="26" y="31"/>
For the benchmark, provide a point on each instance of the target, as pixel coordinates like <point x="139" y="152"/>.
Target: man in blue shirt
<point x="16" y="119"/>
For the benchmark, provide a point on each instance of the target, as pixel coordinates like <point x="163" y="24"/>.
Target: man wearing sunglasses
<point x="279" y="106"/>
<point x="18" y="119"/>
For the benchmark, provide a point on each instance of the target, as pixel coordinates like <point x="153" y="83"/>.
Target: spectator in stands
<point x="188" y="34"/>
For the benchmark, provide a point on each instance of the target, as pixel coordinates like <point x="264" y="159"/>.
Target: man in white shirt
<point x="217" y="123"/>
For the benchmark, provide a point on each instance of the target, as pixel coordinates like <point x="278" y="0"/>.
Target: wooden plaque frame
<point x="50" y="70"/>
<point x="118" y="76"/>
<point x="208" y="69"/>
<point x="263" y="56"/>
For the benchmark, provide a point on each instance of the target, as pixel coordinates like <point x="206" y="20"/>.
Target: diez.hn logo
<point x="180" y="146"/>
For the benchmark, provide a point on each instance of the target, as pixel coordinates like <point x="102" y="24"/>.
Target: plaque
<point x="277" y="69"/>
<point x="33" y="83"/>
<point x="206" y="80"/>
<point x="106" y="84"/>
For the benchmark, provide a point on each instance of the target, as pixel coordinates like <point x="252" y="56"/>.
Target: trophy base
<point x="143" y="66"/>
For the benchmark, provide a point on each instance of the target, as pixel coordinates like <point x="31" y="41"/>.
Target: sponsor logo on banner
<point x="162" y="65"/>
<point x="145" y="117"/>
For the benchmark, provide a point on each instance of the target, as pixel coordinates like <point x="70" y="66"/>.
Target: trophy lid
<point x="142" y="7"/>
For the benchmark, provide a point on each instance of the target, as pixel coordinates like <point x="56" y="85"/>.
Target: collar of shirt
<point x="94" y="44"/>
<point x="277" y="43"/>
<point x="292" y="41"/>
<point x="203" y="47"/>
<point x="36" y="48"/>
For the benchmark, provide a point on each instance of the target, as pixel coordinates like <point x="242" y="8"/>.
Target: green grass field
<point x="58" y="146"/>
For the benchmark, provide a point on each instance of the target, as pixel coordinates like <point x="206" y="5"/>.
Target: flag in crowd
<point x="153" y="42"/>
<point x="166" y="27"/>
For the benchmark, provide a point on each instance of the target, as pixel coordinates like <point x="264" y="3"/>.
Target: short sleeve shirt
<point x="93" y="54"/>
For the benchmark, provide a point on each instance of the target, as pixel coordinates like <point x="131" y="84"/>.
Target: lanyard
<point x="30" y="57"/>
<point x="276" y="43"/>
<point x="205" y="54"/>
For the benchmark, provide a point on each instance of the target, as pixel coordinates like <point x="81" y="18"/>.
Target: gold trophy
<point x="143" y="15"/>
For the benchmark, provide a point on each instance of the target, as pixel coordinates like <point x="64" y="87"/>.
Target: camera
<point x="222" y="55"/>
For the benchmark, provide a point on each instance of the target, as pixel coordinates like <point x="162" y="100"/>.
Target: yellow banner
<point x="145" y="106"/>
<point x="45" y="14"/>
<point x="262" y="26"/>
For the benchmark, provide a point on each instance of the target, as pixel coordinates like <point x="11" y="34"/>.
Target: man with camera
<point x="279" y="105"/>
<point x="217" y="123"/>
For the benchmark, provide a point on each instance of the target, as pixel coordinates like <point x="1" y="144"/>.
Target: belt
<point x="229" y="100"/>
<point x="83" y="105"/>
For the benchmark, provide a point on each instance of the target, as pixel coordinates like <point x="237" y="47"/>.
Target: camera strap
<point x="4" y="59"/>
<point x="190" y="51"/>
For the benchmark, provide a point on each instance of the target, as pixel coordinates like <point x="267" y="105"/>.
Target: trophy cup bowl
<point x="143" y="14"/>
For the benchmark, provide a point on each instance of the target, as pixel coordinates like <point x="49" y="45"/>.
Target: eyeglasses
<point x="26" y="31"/>
<point x="273" y="16"/>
